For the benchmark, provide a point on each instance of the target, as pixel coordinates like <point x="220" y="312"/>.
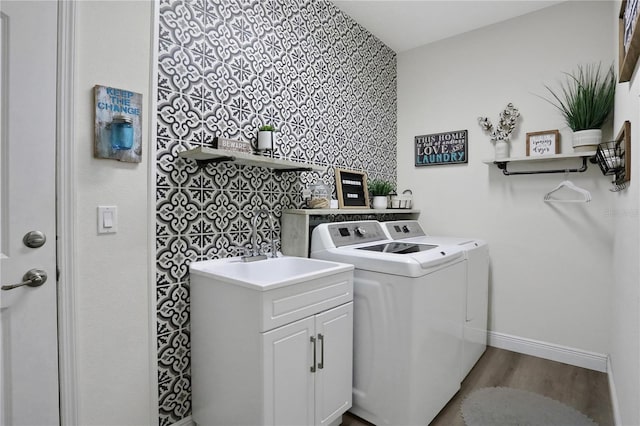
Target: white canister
<point x="502" y="150"/>
<point x="265" y="140"/>
<point x="406" y="201"/>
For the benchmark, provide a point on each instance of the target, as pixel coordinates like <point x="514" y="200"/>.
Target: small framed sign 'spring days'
<point x="543" y="143"/>
<point x="441" y="148"/>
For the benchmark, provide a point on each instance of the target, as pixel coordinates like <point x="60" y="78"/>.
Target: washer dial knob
<point x="360" y="231"/>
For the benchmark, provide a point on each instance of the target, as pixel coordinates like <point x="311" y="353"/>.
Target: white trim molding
<point x="572" y="356"/>
<point x="66" y="211"/>
<point x="154" y="404"/>
<point x="187" y="421"/>
<point x="613" y="395"/>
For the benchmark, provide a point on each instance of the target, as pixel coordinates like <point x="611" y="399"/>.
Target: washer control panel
<point x="348" y="233"/>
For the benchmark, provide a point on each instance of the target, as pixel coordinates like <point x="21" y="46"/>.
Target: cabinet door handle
<point x="321" y="363"/>
<point x="313" y="343"/>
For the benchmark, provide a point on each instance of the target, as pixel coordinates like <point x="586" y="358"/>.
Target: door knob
<point x="33" y="278"/>
<point x="34" y="239"/>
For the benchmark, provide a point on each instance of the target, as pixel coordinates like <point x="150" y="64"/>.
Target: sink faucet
<point x="255" y="251"/>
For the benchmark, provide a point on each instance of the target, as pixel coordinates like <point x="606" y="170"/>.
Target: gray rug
<point x="514" y="407"/>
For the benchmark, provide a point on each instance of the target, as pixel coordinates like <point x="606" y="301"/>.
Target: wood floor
<point x="585" y="390"/>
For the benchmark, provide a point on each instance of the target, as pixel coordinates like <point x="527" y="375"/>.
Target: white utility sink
<point x="271" y="341"/>
<point x="269" y="273"/>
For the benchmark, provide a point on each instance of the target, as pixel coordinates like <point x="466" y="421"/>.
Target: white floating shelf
<point x="204" y="155"/>
<point x="542" y="157"/>
<point x="503" y="162"/>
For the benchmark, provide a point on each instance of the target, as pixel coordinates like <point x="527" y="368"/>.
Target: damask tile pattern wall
<point x="227" y="67"/>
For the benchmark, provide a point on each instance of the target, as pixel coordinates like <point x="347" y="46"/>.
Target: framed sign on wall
<point x="352" y="189"/>
<point x="118" y="124"/>
<point x="546" y="142"/>
<point x="628" y="39"/>
<point x="441" y="148"/>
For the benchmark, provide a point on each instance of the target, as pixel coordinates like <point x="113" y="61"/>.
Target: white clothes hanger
<point x="585" y="195"/>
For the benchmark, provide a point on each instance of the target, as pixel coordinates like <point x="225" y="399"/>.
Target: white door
<point x="333" y="383"/>
<point x="288" y="379"/>
<point x="28" y="318"/>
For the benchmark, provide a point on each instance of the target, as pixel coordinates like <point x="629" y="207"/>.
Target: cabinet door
<point x="288" y="380"/>
<point x="334" y="330"/>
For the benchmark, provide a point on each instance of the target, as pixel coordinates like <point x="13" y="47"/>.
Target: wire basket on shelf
<point x="610" y="157"/>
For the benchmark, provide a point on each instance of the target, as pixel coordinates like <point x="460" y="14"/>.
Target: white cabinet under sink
<point x="271" y="354"/>
<point x="296" y="395"/>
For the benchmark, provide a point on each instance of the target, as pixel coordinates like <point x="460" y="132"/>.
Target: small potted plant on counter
<point x="380" y="189"/>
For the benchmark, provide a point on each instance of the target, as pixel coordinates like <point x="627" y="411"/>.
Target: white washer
<point x="476" y="253"/>
<point x="408" y="305"/>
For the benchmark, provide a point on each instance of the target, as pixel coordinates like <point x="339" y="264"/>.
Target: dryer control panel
<point x="349" y="233"/>
<point x="401" y="229"/>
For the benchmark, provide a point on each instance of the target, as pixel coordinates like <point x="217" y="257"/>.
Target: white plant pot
<point x="265" y="140"/>
<point x="502" y="150"/>
<point x="586" y="140"/>
<point x="379" y="202"/>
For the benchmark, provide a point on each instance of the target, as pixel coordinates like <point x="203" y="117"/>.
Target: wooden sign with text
<point x="111" y="103"/>
<point x="543" y="143"/>
<point x="232" y="145"/>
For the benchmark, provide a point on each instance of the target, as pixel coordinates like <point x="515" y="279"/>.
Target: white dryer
<point x="476" y="253"/>
<point x="408" y="305"/>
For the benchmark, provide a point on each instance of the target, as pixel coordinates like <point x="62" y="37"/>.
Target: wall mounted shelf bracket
<point x="203" y="163"/>
<point x="298" y="169"/>
<point x="502" y="165"/>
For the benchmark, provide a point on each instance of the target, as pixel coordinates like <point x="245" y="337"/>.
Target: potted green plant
<point x="266" y="138"/>
<point x="379" y="190"/>
<point x="586" y="99"/>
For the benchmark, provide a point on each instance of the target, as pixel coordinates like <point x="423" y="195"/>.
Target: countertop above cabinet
<point x="297" y="224"/>
<point x="204" y="155"/>
<point x="328" y="212"/>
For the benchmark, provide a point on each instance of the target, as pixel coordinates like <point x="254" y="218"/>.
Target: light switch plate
<point x="107" y="219"/>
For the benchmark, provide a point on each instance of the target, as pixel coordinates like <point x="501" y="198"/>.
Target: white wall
<point x="551" y="272"/>
<point x="113" y="329"/>
<point x="625" y="290"/>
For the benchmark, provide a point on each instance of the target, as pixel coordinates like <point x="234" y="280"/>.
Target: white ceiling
<point x="405" y="24"/>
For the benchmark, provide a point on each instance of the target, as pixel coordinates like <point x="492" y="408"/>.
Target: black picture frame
<point x="439" y="149"/>
<point x="352" y="189"/>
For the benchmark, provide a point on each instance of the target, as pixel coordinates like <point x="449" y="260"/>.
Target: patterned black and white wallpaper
<point x="227" y="67"/>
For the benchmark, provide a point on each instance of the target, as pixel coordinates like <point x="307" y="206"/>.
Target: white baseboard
<point x="187" y="421"/>
<point x="613" y="395"/>
<point x="571" y="356"/>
